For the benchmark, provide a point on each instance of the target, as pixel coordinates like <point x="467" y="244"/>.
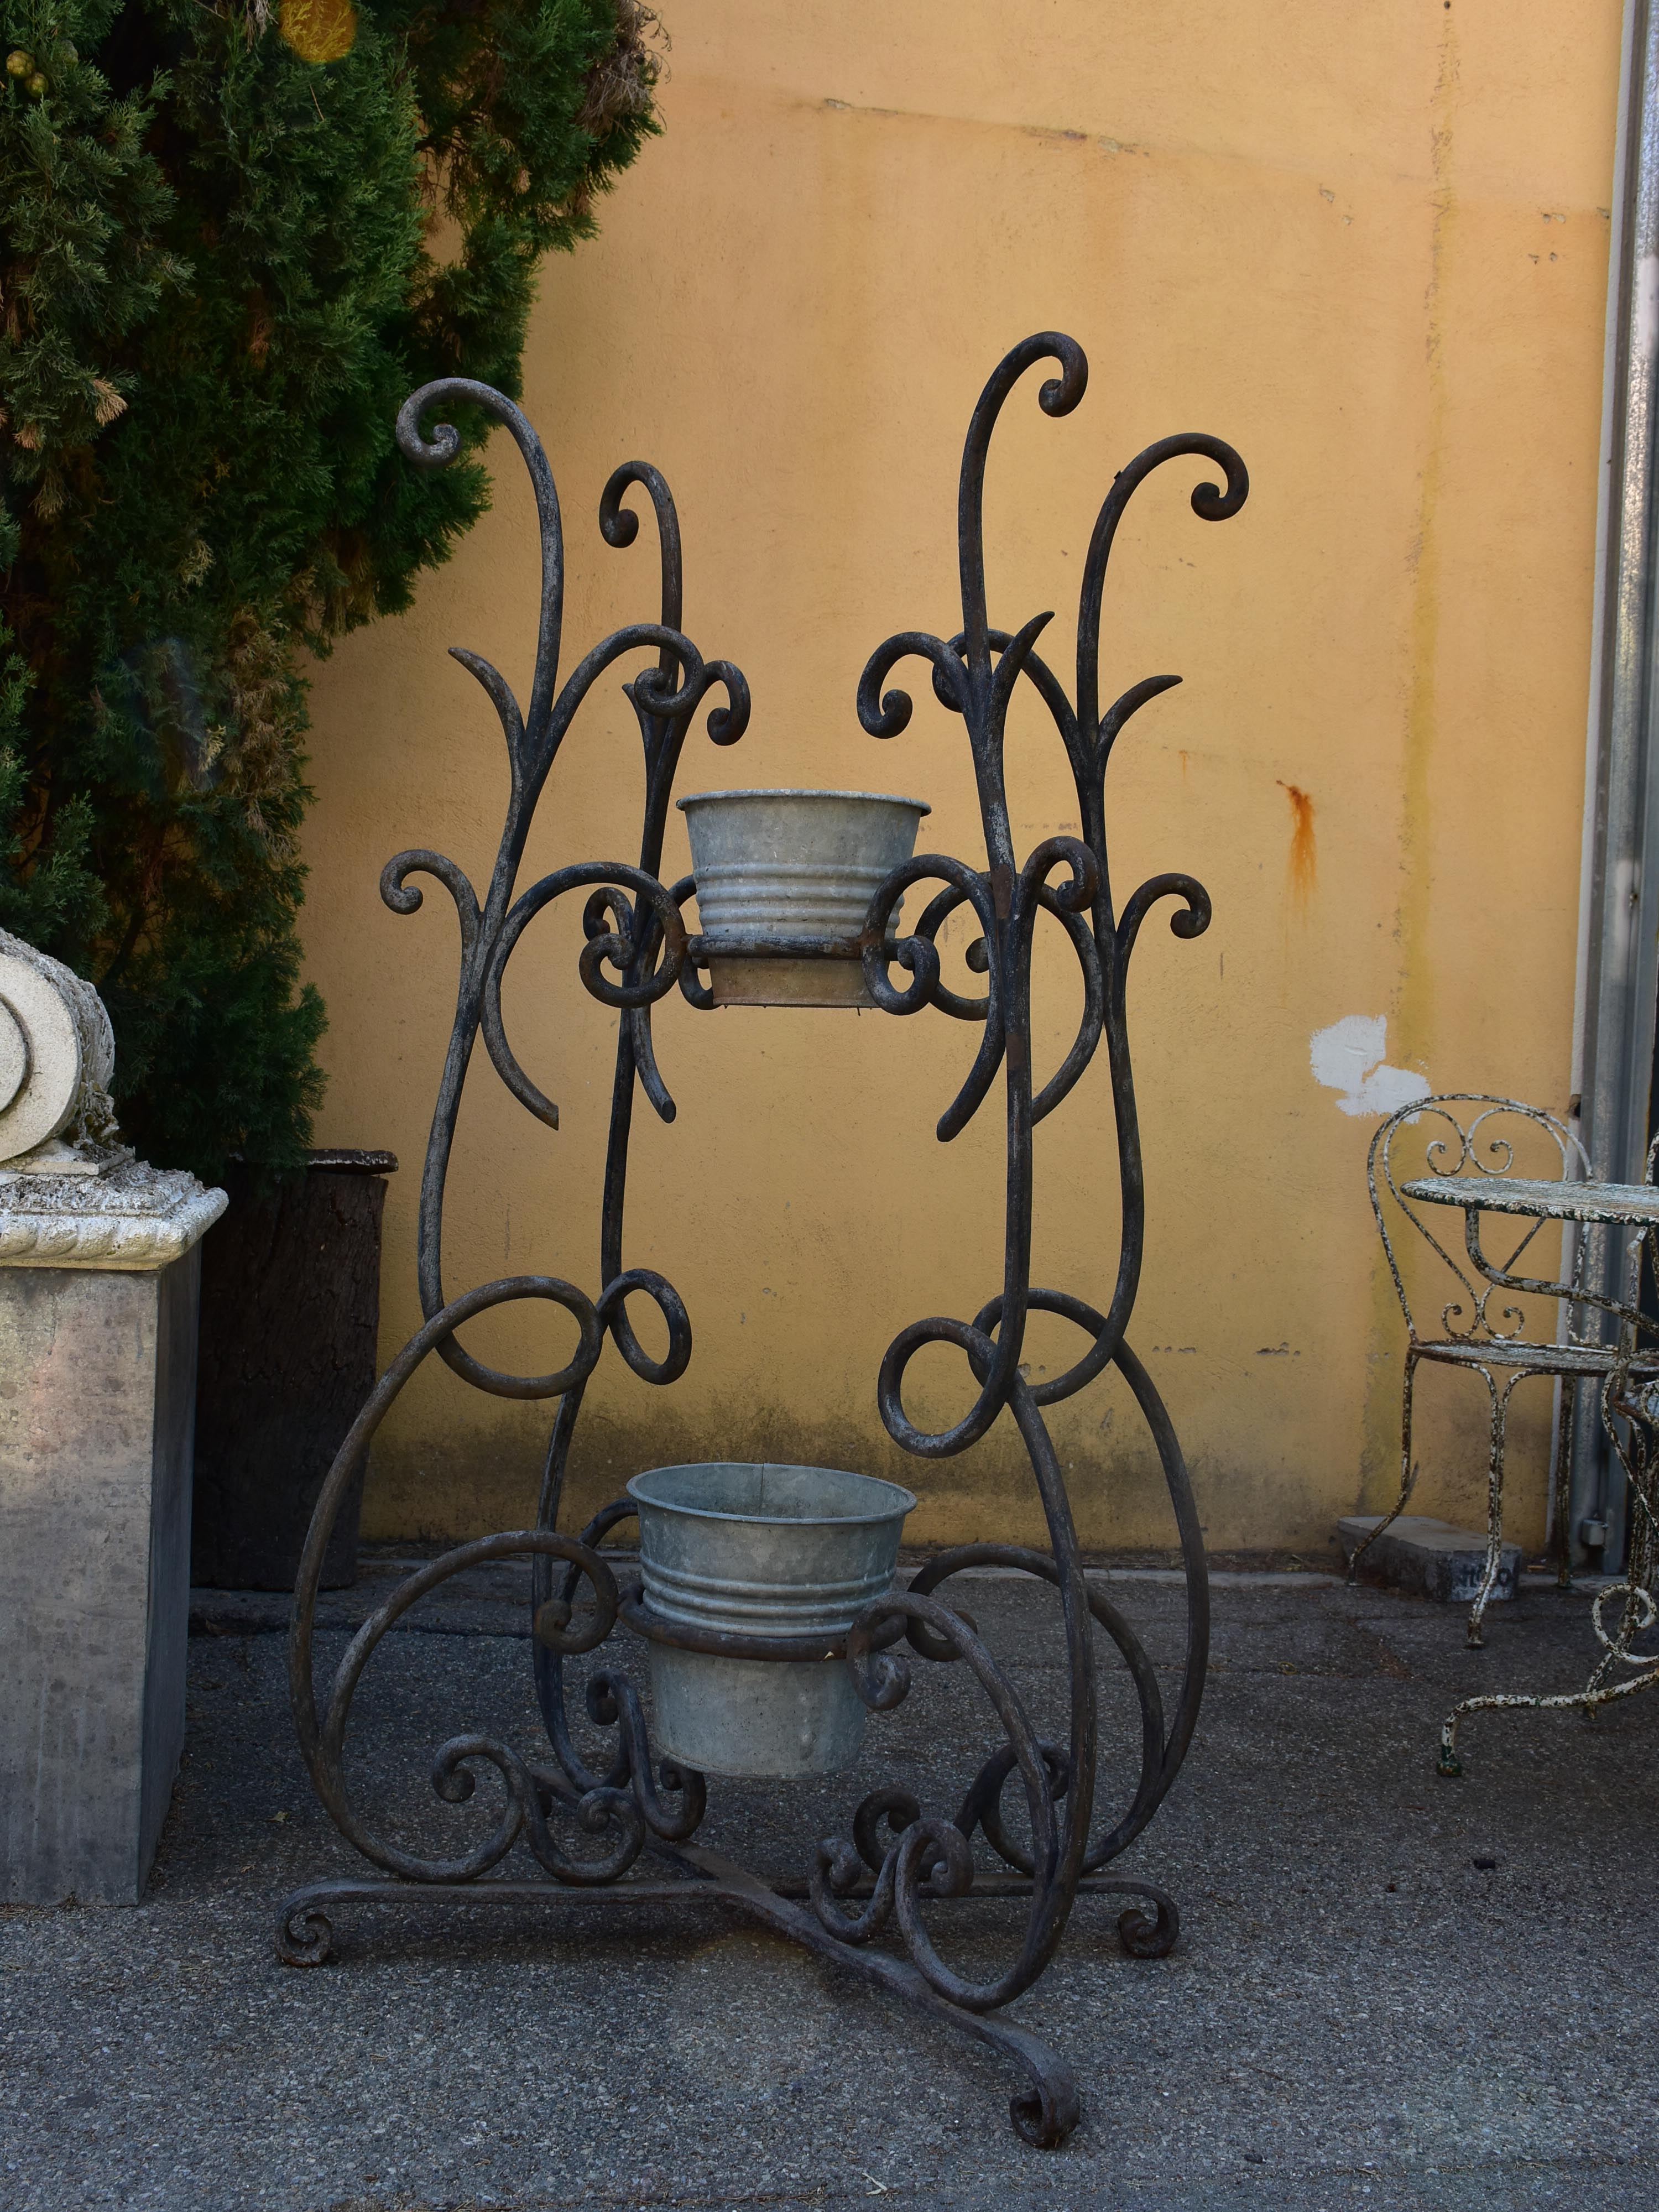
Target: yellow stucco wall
<point x="1367" y="244"/>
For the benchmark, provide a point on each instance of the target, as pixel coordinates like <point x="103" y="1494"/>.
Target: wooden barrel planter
<point x="290" y="1319"/>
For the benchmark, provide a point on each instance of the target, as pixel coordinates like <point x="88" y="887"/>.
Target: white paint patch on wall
<point x="1351" y="1057"/>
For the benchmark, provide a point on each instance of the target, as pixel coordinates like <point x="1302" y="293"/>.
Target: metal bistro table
<point x="1630" y="1404"/>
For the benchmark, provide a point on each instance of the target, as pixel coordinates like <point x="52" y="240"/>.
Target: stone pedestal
<point x="99" y="1278"/>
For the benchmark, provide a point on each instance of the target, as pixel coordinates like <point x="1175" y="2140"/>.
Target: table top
<point x="1634" y="1204"/>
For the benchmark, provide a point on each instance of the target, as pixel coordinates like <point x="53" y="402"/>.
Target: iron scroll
<point x="585" y="1826"/>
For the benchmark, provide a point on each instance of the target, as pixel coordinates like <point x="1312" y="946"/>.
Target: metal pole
<point x="1618" y="950"/>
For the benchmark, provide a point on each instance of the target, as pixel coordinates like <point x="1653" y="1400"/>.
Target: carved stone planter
<point x="98" y="1270"/>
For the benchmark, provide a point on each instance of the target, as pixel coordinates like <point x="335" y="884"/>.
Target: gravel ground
<point x="1390" y="1990"/>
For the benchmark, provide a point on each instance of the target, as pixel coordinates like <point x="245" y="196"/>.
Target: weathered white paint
<point x="1350" y="1057"/>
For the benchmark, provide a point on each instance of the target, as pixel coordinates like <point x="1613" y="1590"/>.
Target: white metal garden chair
<point x="1505" y="1327"/>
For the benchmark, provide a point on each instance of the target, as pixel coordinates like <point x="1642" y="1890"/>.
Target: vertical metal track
<point x="1619" y="951"/>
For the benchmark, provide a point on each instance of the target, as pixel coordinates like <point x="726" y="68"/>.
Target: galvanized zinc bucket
<point x="767" y="1551"/>
<point x="793" y="863"/>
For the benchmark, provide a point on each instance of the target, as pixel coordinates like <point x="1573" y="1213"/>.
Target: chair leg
<point x="1407" y="1472"/>
<point x="1500" y="1407"/>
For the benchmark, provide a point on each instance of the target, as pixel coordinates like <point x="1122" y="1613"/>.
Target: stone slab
<point x="97" y="1397"/>
<point x="1429" y="1558"/>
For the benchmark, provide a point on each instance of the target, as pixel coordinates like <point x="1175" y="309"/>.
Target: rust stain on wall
<point x="1304" y="867"/>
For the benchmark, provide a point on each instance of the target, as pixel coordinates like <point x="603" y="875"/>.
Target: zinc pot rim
<point x="779" y="791"/>
<point x="896" y="1492"/>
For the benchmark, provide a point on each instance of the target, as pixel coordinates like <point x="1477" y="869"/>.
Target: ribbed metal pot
<point x="793" y="863"/>
<point x="770" y="1550"/>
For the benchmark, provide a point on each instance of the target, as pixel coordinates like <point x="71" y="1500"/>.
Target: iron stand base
<point x="1044" y="2112"/>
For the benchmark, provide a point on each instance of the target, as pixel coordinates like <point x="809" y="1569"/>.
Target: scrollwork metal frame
<point x="637" y="949"/>
<point x="1624" y="1367"/>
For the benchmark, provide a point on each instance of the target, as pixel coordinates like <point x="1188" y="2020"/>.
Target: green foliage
<point x="223" y="266"/>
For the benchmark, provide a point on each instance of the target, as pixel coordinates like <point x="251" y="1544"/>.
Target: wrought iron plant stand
<point x="900" y="1859"/>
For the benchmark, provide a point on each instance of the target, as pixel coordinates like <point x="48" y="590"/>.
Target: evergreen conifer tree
<point x="235" y="234"/>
